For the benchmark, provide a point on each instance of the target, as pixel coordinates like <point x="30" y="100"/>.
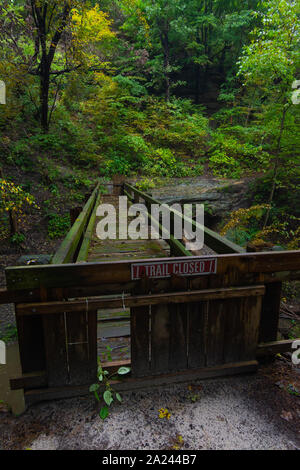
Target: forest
<point x="151" y="90"/>
<point x="161" y="101"/>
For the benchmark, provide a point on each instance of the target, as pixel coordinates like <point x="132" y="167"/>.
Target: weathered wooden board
<point x="140" y="341"/>
<point x="31" y="343"/>
<point x="132" y="383"/>
<point x="141" y="300"/>
<point x="55" y="341"/>
<point x="69" y="246"/>
<point x="78" y="347"/>
<point x="140" y="333"/>
<point x="197" y="319"/>
<point x="160" y="338"/>
<point x="270" y="313"/>
<point x="70" y="275"/>
<point x="178" y="358"/>
<point x="56" y="350"/>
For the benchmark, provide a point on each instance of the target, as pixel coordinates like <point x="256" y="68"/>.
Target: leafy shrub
<point x="13" y="198"/>
<point x="145" y="184"/>
<point x="58" y="225"/>
<point x="115" y="166"/>
<point x="230" y="156"/>
<point x="163" y="163"/>
<point x="18" y="239"/>
<point x="245" y="225"/>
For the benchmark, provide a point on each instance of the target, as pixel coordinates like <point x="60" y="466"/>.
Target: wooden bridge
<point x="174" y="315"/>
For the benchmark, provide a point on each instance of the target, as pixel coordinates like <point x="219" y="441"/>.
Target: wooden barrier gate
<point x="191" y="316"/>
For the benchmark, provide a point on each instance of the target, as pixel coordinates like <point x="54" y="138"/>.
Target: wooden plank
<point x="48" y="308"/>
<point x="128" y="384"/>
<point x="31" y="343"/>
<point x="55" y="338"/>
<point x="212" y="239"/>
<point x="140" y="335"/>
<point x="84" y="249"/>
<point x="275" y="347"/>
<point x="270" y="313"/>
<point x="56" y="350"/>
<point x="88" y="274"/>
<point x="178" y="356"/>
<point x="32" y="295"/>
<point x="177" y="248"/>
<point x="69" y="246"/>
<point x="178" y="359"/>
<point x="160" y="338"/>
<point x="233" y="331"/>
<point x="215" y="332"/>
<point x="250" y="324"/>
<point x="82" y="346"/>
<point x="197" y="317"/>
<point x="29" y="381"/>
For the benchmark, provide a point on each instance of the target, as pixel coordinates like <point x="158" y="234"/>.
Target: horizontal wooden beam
<point x="178" y="249"/>
<point x="213" y="240"/>
<point x="129" y="383"/>
<point x="119" y="272"/>
<point x="29" y="381"/>
<point x="44" y="308"/>
<point x="275" y="347"/>
<point x="37" y="380"/>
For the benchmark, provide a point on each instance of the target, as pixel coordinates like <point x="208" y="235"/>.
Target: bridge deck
<point x="117" y="250"/>
<point x="113" y="331"/>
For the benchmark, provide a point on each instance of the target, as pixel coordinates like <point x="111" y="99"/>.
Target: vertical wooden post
<point x="55" y="337"/>
<point x="140" y="334"/>
<point x="270" y="313"/>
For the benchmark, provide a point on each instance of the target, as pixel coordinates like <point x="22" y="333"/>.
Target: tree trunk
<point x="166" y="49"/>
<point x="276" y="165"/>
<point x="44" y="95"/>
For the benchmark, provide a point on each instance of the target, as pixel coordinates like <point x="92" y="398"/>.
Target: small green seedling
<point x="109" y="394"/>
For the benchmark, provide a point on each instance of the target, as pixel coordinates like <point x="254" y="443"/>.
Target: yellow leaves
<point x="242" y="216"/>
<point x="91" y="26"/>
<point x="13" y="197"/>
<point x="164" y="413"/>
<point x="178" y="442"/>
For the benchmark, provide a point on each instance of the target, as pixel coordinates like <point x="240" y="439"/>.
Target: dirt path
<point x="248" y="412"/>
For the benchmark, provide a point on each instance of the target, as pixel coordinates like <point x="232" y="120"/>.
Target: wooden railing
<point x="212" y="239"/>
<point x="201" y="325"/>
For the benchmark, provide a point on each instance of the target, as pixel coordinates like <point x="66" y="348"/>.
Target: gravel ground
<point x="248" y="412"/>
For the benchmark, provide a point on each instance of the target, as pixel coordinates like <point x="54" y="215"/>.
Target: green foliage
<point x="9" y="334"/>
<point x="13" y="199"/>
<point x="58" y="225"/>
<point x="18" y="239"/>
<point x="245" y="225"/>
<point x="231" y="155"/>
<point x="145" y="184"/>
<point x="137" y="133"/>
<point x="103" y="385"/>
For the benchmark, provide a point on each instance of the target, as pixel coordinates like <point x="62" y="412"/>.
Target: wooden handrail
<point x="84" y="249"/>
<point x="69" y="246"/>
<point x="139" y="300"/>
<point x="115" y="272"/>
<point x="212" y="239"/>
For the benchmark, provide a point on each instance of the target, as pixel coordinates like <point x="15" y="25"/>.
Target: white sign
<point x="161" y="269"/>
<point x="2" y="352"/>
